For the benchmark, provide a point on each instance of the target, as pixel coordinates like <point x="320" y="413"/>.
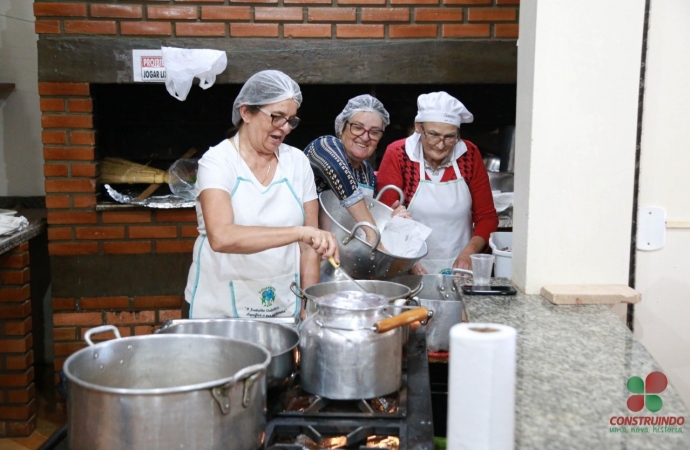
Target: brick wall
<point x="344" y="19"/>
<point x="17" y="391"/>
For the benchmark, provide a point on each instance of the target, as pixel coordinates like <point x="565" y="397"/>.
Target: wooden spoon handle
<point x="405" y="318"/>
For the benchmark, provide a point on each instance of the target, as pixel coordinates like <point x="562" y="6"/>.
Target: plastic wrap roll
<point x="481" y="387"/>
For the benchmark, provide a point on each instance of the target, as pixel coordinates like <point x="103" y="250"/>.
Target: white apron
<point x="256" y="285"/>
<point x="447" y="209"/>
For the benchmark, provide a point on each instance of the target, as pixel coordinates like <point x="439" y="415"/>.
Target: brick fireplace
<point x="128" y="266"/>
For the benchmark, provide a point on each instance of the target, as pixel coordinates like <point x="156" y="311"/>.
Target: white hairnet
<point x="361" y="103"/>
<point x="264" y="88"/>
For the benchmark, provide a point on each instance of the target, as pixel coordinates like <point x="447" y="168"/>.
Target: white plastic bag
<point x="404" y="237"/>
<point x="183" y="64"/>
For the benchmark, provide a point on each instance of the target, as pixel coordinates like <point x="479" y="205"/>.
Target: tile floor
<point x="50" y="414"/>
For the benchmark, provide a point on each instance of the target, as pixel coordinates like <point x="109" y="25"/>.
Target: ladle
<point x="336" y="266"/>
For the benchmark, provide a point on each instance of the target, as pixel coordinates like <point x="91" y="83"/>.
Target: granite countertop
<point x="573" y="363"/>
<point x="37" y="223"/>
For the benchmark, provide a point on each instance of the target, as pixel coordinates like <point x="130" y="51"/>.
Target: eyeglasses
<point x="278" y="120"/>
<point x="358" y="129"/>
<point x="435" y="138"/>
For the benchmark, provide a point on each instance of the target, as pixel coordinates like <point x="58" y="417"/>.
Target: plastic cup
<point x="481" y="268"/>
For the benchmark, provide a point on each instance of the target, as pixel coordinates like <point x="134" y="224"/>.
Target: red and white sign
<point x="147" y="66"/>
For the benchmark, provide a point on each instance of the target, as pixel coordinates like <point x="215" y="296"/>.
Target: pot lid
<point x="353" y="301"/>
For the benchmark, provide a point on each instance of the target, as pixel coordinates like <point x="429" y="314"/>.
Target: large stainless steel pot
<point x="281" y="341"/>
<point x="351" y="348"/>
<point x="166" y="391"/>
<point x="359" y="259"/>
<point x="392" y="291"/>
<point x="440" y="294"/>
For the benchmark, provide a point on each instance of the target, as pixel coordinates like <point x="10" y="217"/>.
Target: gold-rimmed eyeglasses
<point x="434" y="138"/>
<point x="278" y="120"/>
<point x="358" y="129"/>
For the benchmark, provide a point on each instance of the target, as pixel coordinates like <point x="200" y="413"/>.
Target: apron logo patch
<point x="268" y="296"/>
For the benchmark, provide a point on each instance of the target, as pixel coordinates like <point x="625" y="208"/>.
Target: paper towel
<point x="481" y="387"/>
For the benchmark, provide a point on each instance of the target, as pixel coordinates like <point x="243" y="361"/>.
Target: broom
<point x="118" y="170"/>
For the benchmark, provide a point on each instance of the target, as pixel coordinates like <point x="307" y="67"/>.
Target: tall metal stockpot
<point x="351" y="348"/>
<point x="166" y="391"/>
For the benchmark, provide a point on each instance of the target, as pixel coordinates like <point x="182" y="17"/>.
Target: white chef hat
<point x="442" y="107"/>
<point x="264" y="88"/>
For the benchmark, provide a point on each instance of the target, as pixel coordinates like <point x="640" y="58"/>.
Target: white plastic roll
<point x="481" y="387"/>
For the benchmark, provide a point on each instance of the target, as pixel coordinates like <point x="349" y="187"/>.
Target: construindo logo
<point x="645" y="392"/>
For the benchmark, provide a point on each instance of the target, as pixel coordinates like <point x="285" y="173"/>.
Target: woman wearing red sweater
<point x="453" y="195"/>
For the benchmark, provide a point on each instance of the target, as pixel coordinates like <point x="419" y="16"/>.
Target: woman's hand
<point x="323" y="242"/>
<point x="418" y="269"/>
<point x="463" y="261"/>
<point x="400" y="210"/>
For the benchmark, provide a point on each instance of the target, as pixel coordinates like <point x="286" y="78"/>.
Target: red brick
<point x="55" y="170"/>
<point x="91" y="27"/>
<point x="60" y="234"/>
<point x="84" y="318"/>
<point x="59" y="217"/>
<point x="21" y="345"/>
<point x="191" y="230"/>
<point x="467" y="2"/>
<point x="158" y="301"/>
<point x="255" y="1"/>
<point x="506" y="30"/>
<point x="63" y="88"/>
<point x="122" y="248"/>
<point x="359" y="31"/>
<point x="254" y="30"/>
<point x="100" y="232"/>
<point x="79" y="105"/>
<point x="20" y="362"/>
<point x="64" y="334"/>
<point x="171" y="12"/>
<point x="226" y="13"/>
<point x="136" y="232"/>
<point x="415" y="2"/>
<point x="20" y="248"/>
<point x="15" y="294"/>
<point x="307" y="2"/>
<point x="117" y="11"/>
<point x="60" y="9"/>
<point x="67" y="348"/>
<point x="413" y="31"/>
<point x="14" y="261"/>
<point x="54" y="137"/>
<point x="143" y="330"/>
<point x="491" y="14"/>
<point x="466" y="30"/>
<point x="126" y="216"/>
<point x="72" y="185"/>
<point x="15" y="276"/>
<point x="361" y="2"/>
<point x="82" y="137"/>
<point x="84" y="170"/>
<point x="332" y="15"/>
<point x="18" y="328"/>
<point x="104" y="303"/>
<point x="174" y="246"/>
<point x="197" y="1"/>
<point x="52" y="104"/>
<point x="19" y="412"/>
<point x="64" y="304"/>
<point x="125" y="317"/>
<point x="293" y="30"/>
<point x="68" y="153"/>
<point x="438" y="15"/>
<point x="58" y="363"/>
<point x="277" y="14"/>
<point x="176" y="215"/>
<point x="200" y="29"/>
<point x="169" y="314"/>
<point x="507" y="2"/>
<point x="82" y="248"/>
<point x="22" y="395"/>
<point x="84" y="201"/>
<point x="49" y="121"/>
<point x="385" y="15"/>
<point x="23" y="428"/>
<point x="15" y="311"/>
<point x="146" y="28"/>
<point x="124" y="332"/>
<point x="47" y="27"/>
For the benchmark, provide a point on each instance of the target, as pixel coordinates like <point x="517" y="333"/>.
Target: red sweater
<point x="397" y="169"/>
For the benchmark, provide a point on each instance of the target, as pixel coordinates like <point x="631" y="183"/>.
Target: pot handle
<point x="101" y="329"/>
<point x="417" y="290"/>
<point x="221" y="394"/>
<point x="395" y="188"/>
<point x="461" y="272"/>
<point x="299" y="293"/>
<point x="405" y="318"/>
<point x="365" y="224"/>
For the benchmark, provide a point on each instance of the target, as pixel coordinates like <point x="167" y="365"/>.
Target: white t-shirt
<point x="221" y="165"/>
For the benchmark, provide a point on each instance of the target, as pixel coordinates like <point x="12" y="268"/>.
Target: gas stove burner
<point x="317" y="437"/>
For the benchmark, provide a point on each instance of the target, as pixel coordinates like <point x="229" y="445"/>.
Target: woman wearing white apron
<point x="257" y="211"/>
<point x="340" y="162"/>
<point x="446" y="183"/>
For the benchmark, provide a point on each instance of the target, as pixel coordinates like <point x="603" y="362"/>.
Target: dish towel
<point x="10" y="225"/>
